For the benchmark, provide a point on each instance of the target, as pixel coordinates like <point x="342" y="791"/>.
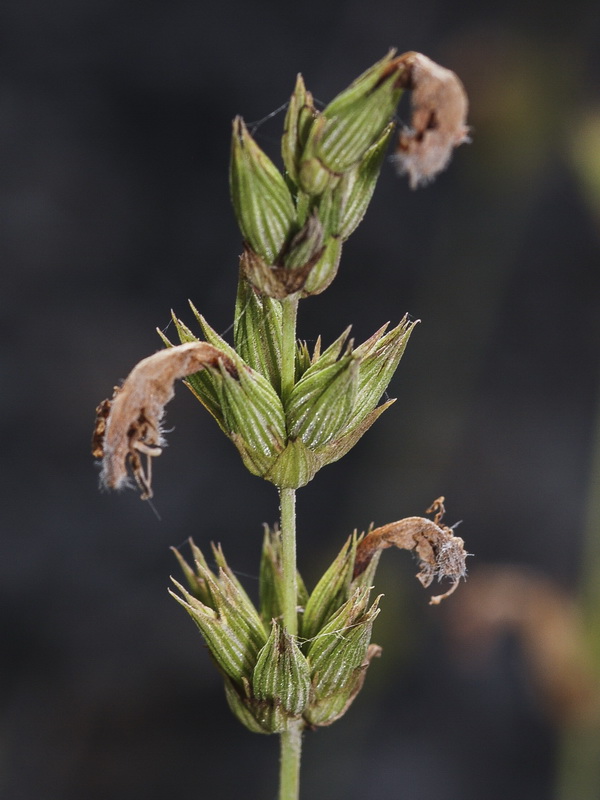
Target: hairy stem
<point x="287" y="499"/>
<point x="291" y="744"/>
<point x="291" y="740"/>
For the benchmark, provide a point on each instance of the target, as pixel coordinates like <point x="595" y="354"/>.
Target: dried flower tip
<point x="439" y="108"/>
<point x="438" y="508"/>
<point x="441" y="554"/>
<point x="128" y="426"/>
<point x="102" y="412"/>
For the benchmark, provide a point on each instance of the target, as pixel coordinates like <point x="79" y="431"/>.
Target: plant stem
<point x="287" y="499"/>
<point x="289" y="775"/>
<point x="291" y="740"/>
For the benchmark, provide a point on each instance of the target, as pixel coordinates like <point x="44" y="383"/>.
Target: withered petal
<point x="439" y="106"/>
<point x="441" y="554"/>
<point x="128" y="426"/>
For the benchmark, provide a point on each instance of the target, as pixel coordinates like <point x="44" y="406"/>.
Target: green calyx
<point x="333" y="402"/>
<point x="294" y="223"/>
<point x="271" y="588"/>
<point x="281" y="680"/>
<point x="270" y="677"/>
<point x="350" y="125"/>
<point x="261" y="199"/>
<point x="331" y="591"/>
<point x="224" y="614"/>
<point x="273" y="678"/>
<point x="343" y="206"/>
<point x="339" y="657"/>
<point x="300" y="117"/>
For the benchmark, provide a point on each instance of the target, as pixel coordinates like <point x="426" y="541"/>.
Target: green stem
<point x="287" y="499"/>
<point x="291" y="740"/>
<point x="291" y="745"/>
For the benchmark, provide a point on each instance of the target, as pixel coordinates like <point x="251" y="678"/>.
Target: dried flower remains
<point x="439" y="108"/>
<point x="441" y="554"/>
<point x="128" y="427"/>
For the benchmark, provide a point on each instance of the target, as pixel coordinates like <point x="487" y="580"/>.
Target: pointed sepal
<point x="351" y="124"/>
<point x="257" y="331"/>
<point x="244" y="707"/>
<point x="261" y="199"/>
<point x="379" y="358"/>
<point x="281" y="682"/>
<point x="321" y="402"/>
<point x="325" y="268"/>
<point x="270" y="583"/>
<point x="253" y="416"/>
<point x="331" y="591"/>
<point x="301" y="114"/>
<point x="356" y="188"/>
<point x="226" y="617"/>
<point x="338" y="658"/>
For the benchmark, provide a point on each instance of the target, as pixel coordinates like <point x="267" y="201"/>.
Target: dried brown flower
<point x="439" y="108"/>
<point x="441" y="554"/>
<point x="128" y="426"/>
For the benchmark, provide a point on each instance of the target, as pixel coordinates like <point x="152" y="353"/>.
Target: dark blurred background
<point x="114" y="143"/>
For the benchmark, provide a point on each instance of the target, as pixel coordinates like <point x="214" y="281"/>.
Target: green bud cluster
<point x="294" y="224"/>
<point x="331" y="405"/>
<point x="272" y="678"/>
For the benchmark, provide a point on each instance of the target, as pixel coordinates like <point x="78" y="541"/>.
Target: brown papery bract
<point x="128" y="426"/>
<point x="439" y="108"/>
<point x="441" y="554"/>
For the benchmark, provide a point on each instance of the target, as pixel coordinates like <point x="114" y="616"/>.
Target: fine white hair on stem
<point x="128" y="432"/>
<point x="439" y="108"/>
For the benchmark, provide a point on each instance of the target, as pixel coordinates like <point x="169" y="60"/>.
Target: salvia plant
<point x="297" y="660"/>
